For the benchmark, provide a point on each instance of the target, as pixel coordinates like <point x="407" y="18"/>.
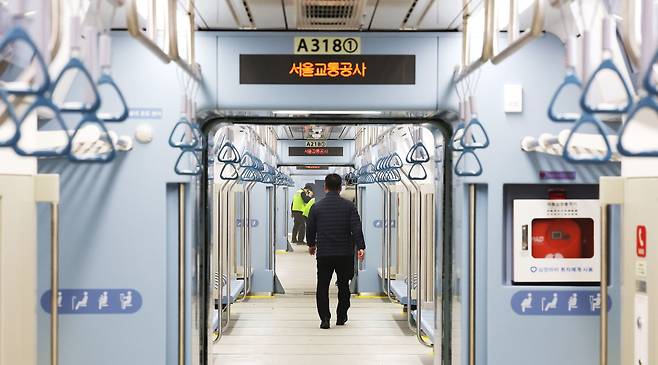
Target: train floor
<point x="284" y="329"/>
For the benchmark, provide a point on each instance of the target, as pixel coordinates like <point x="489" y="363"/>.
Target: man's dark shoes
<point x="341" y="321"/>
<point x="325" y="324"/>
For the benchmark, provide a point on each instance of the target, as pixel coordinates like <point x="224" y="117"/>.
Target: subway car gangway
<point x="265" y="308"/>
<point x="501" y="155"/>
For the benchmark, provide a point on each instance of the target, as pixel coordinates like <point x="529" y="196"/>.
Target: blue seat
<point x="237" y="286"/>
<point x="426" y="322"/>
<point x="399" y="289"/>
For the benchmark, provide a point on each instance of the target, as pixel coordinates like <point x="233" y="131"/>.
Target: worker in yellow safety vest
<point x="299" y="201"/>
<point x="307" y="207"/>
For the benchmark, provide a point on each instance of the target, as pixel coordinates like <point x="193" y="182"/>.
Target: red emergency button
<point x="641" y="243"/>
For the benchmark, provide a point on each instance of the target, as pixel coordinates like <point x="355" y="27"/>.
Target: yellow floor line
<point x="260" y="296"/>
<point x="281" y="251"/>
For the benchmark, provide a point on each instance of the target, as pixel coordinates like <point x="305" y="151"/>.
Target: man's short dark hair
<point x="333" y="182"/>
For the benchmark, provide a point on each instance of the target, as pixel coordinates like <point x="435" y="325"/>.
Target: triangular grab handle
<point x="609" y="65"/>
<point x="15" y="35"/>
<point x="569" y="117"/>
<point x="601" y="129"/>
<point x="106" y="79"/>
<point x="184" y="124"/>
<point x="460" y="169"/>
<point x="647" y="102"/>
<point x="418" y="153"/>
<point x="473" y="144"/>
<point x="196" y="168"/>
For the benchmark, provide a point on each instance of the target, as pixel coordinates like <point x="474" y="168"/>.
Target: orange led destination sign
<point x="312" y="167"/>
<point x="315" y="151"/>
<point x="328" y="69"/>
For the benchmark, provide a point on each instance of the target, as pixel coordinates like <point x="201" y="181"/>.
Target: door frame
<point x="440" y="127"/>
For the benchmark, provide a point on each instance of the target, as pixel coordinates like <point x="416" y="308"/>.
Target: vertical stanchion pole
<point x="181" y="274"/>
<point x="54" y="284"/>
<point x="604" y="285"/>
<point x="471" y="274"/>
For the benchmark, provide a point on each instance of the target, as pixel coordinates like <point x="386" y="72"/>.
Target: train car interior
<point x="476" y="181"/>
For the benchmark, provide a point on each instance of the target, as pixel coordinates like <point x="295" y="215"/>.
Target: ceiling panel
<point x="442" y="14"/>
<point x="270" y="14"/>
<point x="390" y="14"/>
<point x="267" y="14"/>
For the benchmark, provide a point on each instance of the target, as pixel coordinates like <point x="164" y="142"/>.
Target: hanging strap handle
<point x="183" y="123"/>
<point x="229" y="172"/>
<point x="123" y="115"/>
<point x="196" y="167"/>
<point x="74" y="65"/>
<point x="106" y="157"/>
<point x="228" y="153"/>
<point x="468" y="132"/>
<point x="648" y="102"/>
<point x="601" y="129"/>
<point x="418" y="153"/>
<point x="460" y="169"/>
<point x="417" y="172"/>
<point x="567" y="117"/>
<point x="15" y="35"/>
<point x="606" y="65"/>
<point x="58" y="151"/>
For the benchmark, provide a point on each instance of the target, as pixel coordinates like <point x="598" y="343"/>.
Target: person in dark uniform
<point x="299" y="201"/>
<point x="333" y="232"/>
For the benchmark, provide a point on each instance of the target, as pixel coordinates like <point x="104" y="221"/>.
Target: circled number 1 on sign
<point x="327" y="45"/>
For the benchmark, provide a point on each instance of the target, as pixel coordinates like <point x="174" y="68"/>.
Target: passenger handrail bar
<point x="134" y="29"/>
<point x="181" y="274"/>
<point x="471" y="272"/>
<point x="536" y="29"/>
<point x="419" y="252"/>
<point x="54" y="283"/>
<point x="409" y="255"/>
<point x="487" y="45"/>
<point x="603" y="355"/>
<point x="189" y="66"/>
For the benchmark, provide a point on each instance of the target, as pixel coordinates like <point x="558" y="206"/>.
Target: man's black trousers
<point x="298" y="227"/>
<point x="344" y="268"/>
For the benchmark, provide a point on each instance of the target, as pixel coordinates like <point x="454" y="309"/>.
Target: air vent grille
<point x="330" y="14"/>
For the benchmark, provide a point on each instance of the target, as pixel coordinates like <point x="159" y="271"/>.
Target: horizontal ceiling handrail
<point x="536" y="29"/>
<point x="135" y="30"/>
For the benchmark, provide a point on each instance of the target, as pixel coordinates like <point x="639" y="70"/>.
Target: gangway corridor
<point x="284" y="330"/>
<point x="297" y="272"/>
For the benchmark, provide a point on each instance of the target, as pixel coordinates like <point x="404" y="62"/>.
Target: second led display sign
<point x="315" y="151"/>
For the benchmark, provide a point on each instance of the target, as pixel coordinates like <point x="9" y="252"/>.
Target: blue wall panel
<point x="502" y="336"/>
<point x="115" y="228"/>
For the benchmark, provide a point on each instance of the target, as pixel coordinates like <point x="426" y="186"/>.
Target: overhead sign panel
<point x="272" y="69"/>
<point x="327" y="45"/>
